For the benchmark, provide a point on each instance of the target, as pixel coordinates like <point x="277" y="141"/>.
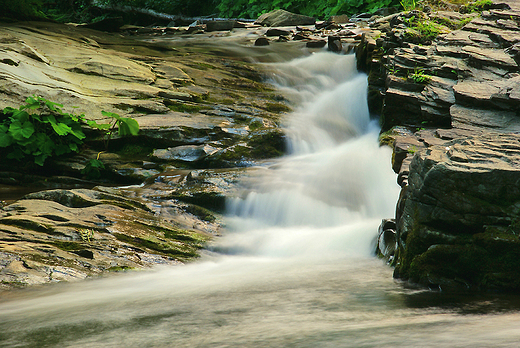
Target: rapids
<point x="296" y="267"/>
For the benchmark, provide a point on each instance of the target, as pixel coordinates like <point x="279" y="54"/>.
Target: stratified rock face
<point x="282" y="18"/>
<point x="459" y="221"/>
<point x="64" y="235"/>
<point x="474" y="66"/>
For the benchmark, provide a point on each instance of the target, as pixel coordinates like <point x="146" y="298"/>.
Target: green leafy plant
<point x="408" y="5"/>
<point x="422" y="30"/>
<point x="479" y="6"/>
<point x="418" y="76"/>
<point x="86" y="234"/>
<point x="125" y="126"/>
<point x="93" y="168"/>
<point x="39" y="129"/>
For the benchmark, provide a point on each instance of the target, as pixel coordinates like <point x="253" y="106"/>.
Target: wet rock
<point x="107" y="24"/>
<point x="387" y="240"/>
<point x="277" y="32"/>
<point x="64" y="235"/>
<point x="116" y="68"/>
<point x="187" y="153"/>
<point x="262" y="41"/>
<point x="281" y="18"/>
<point x="334" y="44"/>
<point x="220" y="25"/>
<point x="316" y="43"/>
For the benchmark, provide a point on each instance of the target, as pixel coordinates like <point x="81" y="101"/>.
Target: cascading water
<point x="296" y="268"/>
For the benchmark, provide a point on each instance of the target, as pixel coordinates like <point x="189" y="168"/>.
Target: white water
<point x="297" y="268"/>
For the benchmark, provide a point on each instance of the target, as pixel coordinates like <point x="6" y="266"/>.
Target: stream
<point x="295" y="267"/>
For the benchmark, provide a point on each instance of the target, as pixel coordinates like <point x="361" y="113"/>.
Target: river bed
<point x="295" y="267"/>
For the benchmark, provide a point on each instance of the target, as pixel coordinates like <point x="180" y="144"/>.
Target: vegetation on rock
<point x="39" y="129"/>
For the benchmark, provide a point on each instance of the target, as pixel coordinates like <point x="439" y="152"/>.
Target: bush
<point x="25" y="132"/>
<point x="320" y="9"/>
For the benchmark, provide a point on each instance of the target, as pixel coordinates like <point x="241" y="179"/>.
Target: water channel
<point x="296" y="267"/>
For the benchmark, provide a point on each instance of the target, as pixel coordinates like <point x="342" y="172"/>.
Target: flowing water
<point x="295" y="269"/>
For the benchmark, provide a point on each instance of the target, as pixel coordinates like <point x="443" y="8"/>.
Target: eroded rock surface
<point x="458" y="227"/>
<point x="59" y="235"/>
<point x="200" y="106"/>
<point x="451" y="114"/>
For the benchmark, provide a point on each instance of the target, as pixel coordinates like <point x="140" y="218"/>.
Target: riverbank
<point x="450" y="111"/>
<point x="207" y="117"/>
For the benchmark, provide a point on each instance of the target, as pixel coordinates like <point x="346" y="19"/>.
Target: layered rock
<point x="450" y="111"/>
<point x="458" y="225"/>
<point x="197" y="112"/>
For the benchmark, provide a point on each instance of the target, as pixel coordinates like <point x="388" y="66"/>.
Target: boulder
<point x="459" y="226"/>
<point x="277" y="32"/>
<point x="220" y="25"/>
<point x="282" y="18"/>
<point x="334" y="44"/>
<point x="262" y="41"/>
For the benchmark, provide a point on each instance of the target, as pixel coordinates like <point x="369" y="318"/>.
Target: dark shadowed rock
<point x="220" y="25"/>
<point x="277" y="32"/>
<point x="316" y="43"/>
<point x="334" y="44"/>
<point x="262" y="41"/>
<point x="459" y="226"/>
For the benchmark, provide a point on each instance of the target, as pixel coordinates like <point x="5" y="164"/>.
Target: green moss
<point x="120" y="269"/>
<point x="202" y="66"/>
<point x="277" y="107"/>
<point x="68" y="246"/>
<point x="200" y="212"/>
<point x="211" y="200"/>
<point x="257" y="124"/>
<point x="184" y="107"/>
<point x="269" y="144"/>
<point x="175" y="249"/>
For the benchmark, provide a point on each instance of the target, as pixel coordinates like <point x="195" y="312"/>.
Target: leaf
<point x="54" y="106"/>
<point x="128" y="126"/>
<point x="40" y="159"/>
<point x="61" y="128"/>
<point x="61" y="149"/>
<point x="78" y="133"/>
<point x="5" y="138"/>
<point x="16" y="154"/>
<point x="20" y="130"/>
<point x="102" y="126"/>
<point x="20" y="115"/>
<point x="31" y="104"/>
<point x="111" y="114"/>
<point x="9" y="110"/>
<point x="45" y="144"/>
<point x="48" y="119"/>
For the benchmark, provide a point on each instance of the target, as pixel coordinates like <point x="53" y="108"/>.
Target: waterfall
<point x="329" y="194"/>
<point x="301" y="237"/>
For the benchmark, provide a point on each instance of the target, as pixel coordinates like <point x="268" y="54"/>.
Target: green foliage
<point x="125" y="126"/>
<point x="479" y="6"/>
<point x="23" y="9"/>
<point x="320" y="9"/>
<point x="85" y="11"/>
<point x="408" y="5"/>
<point x="39" y="129"/>
<point x="93" y="168"/>
<point x="421" y="30"/>
<point x="418" y="76"/>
